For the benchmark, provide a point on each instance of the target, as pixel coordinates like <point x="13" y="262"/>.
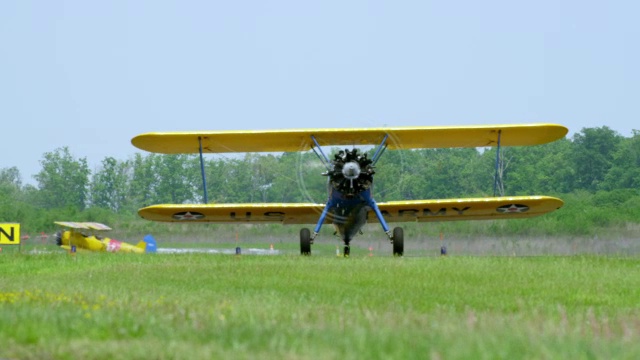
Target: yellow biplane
<point x="350" y="202"/>
<point x="77" y="237"/>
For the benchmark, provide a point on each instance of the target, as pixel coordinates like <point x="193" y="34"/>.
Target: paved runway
<point x="243" y="251"/>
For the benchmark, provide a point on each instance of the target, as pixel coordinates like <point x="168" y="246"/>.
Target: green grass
<point x="223" y="306"/>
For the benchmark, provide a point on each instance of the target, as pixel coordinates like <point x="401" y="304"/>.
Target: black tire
<point x="305" y="242"/>
<point x="398" y="241"/>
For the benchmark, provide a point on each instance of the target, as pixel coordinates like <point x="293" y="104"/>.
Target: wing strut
<point x="495" y="177"/>
<point x="380" y="150"/>
<point x="324" y="159"/>
<point x="204" y="178"/>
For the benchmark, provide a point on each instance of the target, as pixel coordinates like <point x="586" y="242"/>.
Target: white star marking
<point x="513" y="208"/>
<point x="188" y="216"/>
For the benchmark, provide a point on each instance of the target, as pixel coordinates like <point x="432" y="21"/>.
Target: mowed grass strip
<point x="211" y="306"/>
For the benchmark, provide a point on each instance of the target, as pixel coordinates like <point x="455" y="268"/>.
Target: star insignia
<point x="513" y="208"/>
<point x="188" y="215"/>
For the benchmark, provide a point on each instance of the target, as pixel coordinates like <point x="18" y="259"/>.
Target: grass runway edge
<point x="203" y="305"/>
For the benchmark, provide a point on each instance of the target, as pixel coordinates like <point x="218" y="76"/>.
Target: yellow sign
<point x="9" y="234"/>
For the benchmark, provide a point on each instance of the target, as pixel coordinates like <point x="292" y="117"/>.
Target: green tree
<point x="217" y="181"/>
<point x="11" y="176"/>
<point x="593" y="150"/>
<point x="63" y="180"/>
<point x="110" y="185"/>
<point x="310" y="185"/>
<point x="286" y="186"/>
<point x="142" y="189"/>
<point x="265" y="171"/>
<point x="10" y="193"/>
<point x="177" y="179"/>
<point x="239" y="180"/>
<point x="540" y="169"/>
<point x="625" y="171"/>
<point x="387" y="182"/>
<point x="448" y="173"/>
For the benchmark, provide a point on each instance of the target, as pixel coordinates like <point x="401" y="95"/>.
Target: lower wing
<point x="508" y="207"/>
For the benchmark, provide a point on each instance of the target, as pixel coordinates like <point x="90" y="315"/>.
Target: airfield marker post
<point x="238" y="249"/>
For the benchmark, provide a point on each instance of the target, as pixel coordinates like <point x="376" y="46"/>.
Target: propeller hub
<point x="351" y="173"/>
<point x="351" y="170"/>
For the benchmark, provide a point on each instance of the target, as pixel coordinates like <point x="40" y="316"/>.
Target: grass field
<point x="201" y="306"/>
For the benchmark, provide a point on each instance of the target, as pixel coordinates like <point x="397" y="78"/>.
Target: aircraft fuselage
<point x="69" y="239"/>
<point x="349" y="214"/>
<point x="350" y="199"/>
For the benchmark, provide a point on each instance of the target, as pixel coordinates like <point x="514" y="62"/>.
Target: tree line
<point x="595" y="160"/>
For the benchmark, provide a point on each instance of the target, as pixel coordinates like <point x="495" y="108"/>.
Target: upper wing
<point x="393" y="211"/>
<point x="300" y="139"/>
<point x="83" y="225"/>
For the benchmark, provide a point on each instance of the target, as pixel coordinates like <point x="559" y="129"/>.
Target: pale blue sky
<point x="91" y="75"/>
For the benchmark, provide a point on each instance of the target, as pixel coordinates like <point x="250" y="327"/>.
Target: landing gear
<point x="398" y="241"/>
<point x="347" y="250"/>
<point x="305" y="242"/>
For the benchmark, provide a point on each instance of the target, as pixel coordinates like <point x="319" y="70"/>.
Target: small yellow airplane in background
<point x="75" y="238"/>
<point x="350" y="203"/>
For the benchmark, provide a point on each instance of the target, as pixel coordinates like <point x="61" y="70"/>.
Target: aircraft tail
<point x="150" y="245"/>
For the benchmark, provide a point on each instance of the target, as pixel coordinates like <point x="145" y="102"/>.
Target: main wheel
<point x="305" y="242"/>
<point x="398" y="241"/>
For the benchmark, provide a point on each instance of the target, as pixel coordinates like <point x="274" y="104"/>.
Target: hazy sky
<point x="91" y="75"/>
